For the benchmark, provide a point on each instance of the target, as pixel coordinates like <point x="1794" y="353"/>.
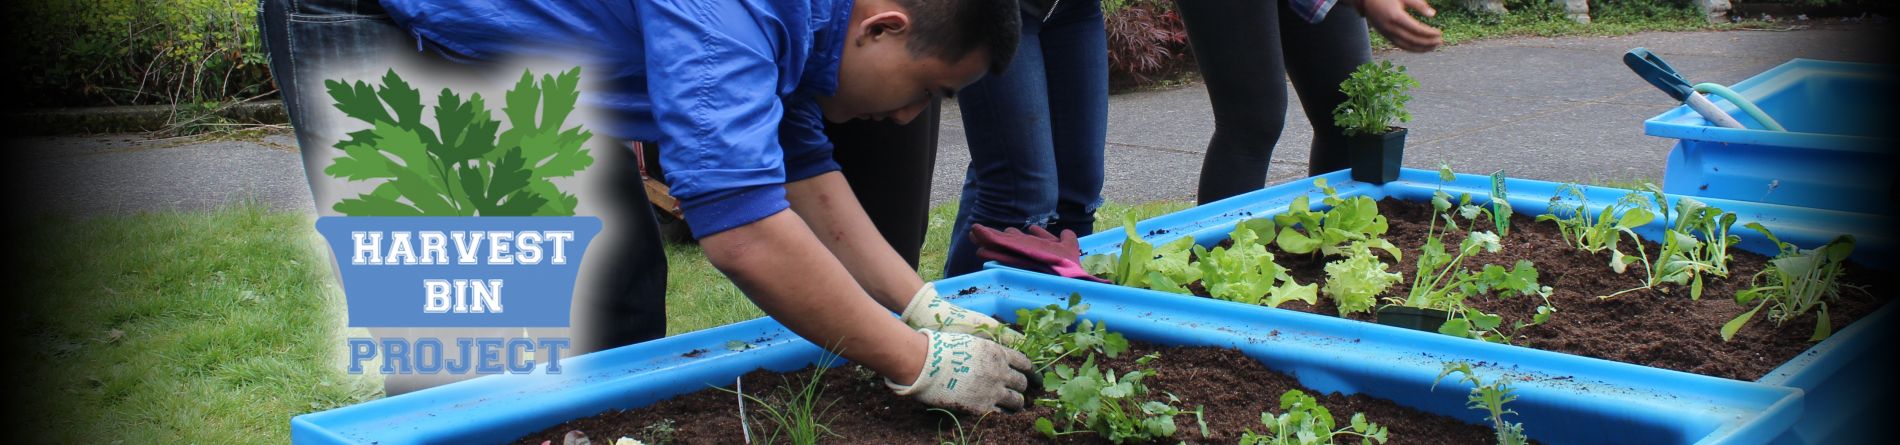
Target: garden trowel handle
<point x="1653" y="69"/>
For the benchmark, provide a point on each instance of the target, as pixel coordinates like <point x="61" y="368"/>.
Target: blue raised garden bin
<point x="1563" y="399"/>
<point x="1838" y="152"/>
<point x="1846" y="378"/>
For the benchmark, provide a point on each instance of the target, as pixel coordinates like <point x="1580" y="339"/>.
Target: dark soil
<point x="1234" y="389"/>
<point x="1658" y="328"/>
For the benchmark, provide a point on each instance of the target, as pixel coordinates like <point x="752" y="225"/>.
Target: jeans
<point x="1036" y="133"/>
<point x="620" y="296"/>
<point x="1247" y="51"/>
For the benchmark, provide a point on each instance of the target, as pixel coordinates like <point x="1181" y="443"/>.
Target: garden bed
<point x="1233" y="388"/>
<point x="1560" y="398"/>
<point x="1661" y="328"/>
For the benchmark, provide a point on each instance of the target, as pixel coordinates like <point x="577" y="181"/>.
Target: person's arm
<point x="826" y="204"/>
<point x="714" y="91"/>
<point x="1391" y="19"/>
<point x="784" y="269"/>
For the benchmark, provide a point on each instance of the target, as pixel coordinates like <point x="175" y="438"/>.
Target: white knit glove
<point x="969" y="374"/>
<point x="928" y="311"/>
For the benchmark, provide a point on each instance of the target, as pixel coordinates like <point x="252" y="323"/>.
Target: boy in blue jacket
<point x="734" y="93"/>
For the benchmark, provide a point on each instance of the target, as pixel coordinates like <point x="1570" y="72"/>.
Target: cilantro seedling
<point x="460" y="166"/>
<point x="1796" y="282"/>
<point x="1047" y="337"/>
<point x="1304" y="422"/>
<point x="1094" y="399"/>
<point x="1375" y="98"/>
<point x="1490" y="397"/>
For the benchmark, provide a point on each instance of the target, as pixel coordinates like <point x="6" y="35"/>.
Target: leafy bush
<point x="1375" y="98"/>
<point x="117" y="52"/>
<point x="1145" y="38"/>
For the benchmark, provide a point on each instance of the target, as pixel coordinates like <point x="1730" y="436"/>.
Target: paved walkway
<point x="1563" y="109"/>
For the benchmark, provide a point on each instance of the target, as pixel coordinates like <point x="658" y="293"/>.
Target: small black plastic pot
<point x="1374" y="158"/>
<point x="1408" y="317"/>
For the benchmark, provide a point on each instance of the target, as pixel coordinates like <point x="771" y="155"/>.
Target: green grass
<point x="1546" y="19"/>
<point x="181" y="328"/>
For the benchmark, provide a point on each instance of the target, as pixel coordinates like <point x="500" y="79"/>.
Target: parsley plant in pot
<point x="1375" y="104"/>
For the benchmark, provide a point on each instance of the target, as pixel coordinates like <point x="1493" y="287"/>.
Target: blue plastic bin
<point x="1838" y="152"/>
<point x="1563" y="399"/>
<point x="1846" y="377"/>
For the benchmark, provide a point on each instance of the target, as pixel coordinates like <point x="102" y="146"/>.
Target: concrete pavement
<point x="1563" y="109"/>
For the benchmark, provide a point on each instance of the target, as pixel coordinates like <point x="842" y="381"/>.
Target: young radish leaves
<point x="1794" y="283"/>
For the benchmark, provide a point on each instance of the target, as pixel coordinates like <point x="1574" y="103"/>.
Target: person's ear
<point x="887" y="24"/>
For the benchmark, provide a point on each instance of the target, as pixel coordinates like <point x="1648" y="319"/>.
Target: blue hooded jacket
<point x="726" y="87"/>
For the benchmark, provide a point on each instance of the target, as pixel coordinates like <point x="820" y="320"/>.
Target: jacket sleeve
<point x="1313" y="11"/>
<point x="713" y="81"/>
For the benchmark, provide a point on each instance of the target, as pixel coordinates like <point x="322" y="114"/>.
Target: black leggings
<point x="889" y="168"/>
<point x="1247" y="51"/>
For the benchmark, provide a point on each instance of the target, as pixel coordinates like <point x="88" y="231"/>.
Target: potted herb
<point x="1375" y="103"/>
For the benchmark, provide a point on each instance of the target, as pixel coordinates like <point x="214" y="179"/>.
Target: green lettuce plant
<point x="1304" y="230"/>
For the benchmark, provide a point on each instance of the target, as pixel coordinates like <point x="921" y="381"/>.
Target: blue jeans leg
<point x="1036" y="133"/>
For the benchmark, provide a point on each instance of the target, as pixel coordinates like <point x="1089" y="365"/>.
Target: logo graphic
<point x="463" y="227"/>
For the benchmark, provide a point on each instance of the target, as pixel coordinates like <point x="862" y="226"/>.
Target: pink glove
<point x="1037" y="250"/>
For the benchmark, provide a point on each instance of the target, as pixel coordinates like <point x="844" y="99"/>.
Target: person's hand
<point x="1036" y="250"/>
<point x="1391" y="20"/>
<point x="969" y="374"/>
<point x="928" y="311"/>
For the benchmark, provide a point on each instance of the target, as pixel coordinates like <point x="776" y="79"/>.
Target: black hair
<point x="951" y="29"/>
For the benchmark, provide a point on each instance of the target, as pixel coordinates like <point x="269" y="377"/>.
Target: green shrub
<point x="118" y="52"/>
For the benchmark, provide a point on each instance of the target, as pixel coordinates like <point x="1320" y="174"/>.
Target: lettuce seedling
<point x="1491" y="398"/>
<point x="1355" y="282"/>
<point x="1094" y="399"/>
<point x="1304" y="422"/>
<point x="1303" y="230"/>
<point x="1141" y="264"/>
<point x="1796" y="282"/>
<point x="1246" y="273"/>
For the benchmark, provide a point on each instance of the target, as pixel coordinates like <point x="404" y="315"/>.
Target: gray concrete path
<point x="1563" y="109"/>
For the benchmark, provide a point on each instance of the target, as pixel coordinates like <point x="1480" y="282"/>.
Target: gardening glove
<point x="968" y="374"/>
<point x="1037" y="250"/>
<point x="928" y="311"/>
